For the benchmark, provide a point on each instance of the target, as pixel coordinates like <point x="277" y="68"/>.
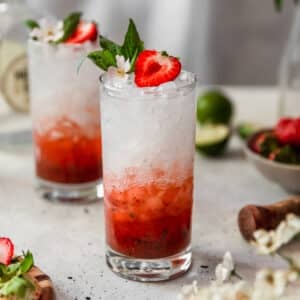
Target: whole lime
<point x="213" y="107"/>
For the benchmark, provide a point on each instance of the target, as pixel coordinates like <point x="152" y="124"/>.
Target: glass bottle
<point x="289" y="73"/>
<point x="15" y="127"/>
<point x="13" y="58"/>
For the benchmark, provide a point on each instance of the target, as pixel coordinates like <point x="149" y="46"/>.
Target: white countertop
<point x="68" y="241"/>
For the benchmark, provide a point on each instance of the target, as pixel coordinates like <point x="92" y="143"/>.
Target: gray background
<point x="224" y="41"/>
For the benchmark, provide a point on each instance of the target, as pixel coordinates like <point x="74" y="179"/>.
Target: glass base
<point x="149" y="270"/>
<point x="70" y="193"/>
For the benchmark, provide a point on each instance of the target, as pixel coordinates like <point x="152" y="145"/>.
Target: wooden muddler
<point x="253" y="217"/>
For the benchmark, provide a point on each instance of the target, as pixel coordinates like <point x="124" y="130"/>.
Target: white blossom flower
<point x="271" y="285"/>
<point x="225" y="269"/>
<point x="48" y="31"/>
<point x="228" y="291"/>
<point x="123" y="67"/>
<point x="268" y="242"/>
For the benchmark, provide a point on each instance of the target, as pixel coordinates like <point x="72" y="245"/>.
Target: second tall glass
<point x="66" y="121"/>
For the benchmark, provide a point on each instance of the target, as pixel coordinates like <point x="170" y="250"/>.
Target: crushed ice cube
<point x="183" y="76"/>
<point x="170" y="85"/>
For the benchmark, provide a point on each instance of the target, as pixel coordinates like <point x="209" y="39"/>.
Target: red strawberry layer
<point x="153" y="68"/>
<point x="85" y="31"/>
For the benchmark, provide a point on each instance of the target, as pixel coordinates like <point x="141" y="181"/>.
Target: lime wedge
<point x="212" y="139"/>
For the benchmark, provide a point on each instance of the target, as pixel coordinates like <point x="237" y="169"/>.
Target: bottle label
<point x="14" y="75"/>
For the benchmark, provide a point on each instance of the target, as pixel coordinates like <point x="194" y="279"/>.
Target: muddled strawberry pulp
<point x="150" y="219"/>
<point x="67" y="153"/>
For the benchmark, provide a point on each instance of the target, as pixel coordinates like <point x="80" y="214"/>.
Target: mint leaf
<point x="3" y="271"/>
<point x="133" y="59"/>
<point x="103" y="59"/>
<point x="7" y="272"/>
<point x="31" y="24"/>
<point x="70" y="25"/>
<point x="111" y="46"/>
<point x="12" y="269"/>
<point x="26" y="263"/>
<point x="16" y="286"/>
<point x="132" y="45"/>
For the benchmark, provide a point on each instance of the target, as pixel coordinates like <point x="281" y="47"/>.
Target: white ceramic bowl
<point x="285" y="175"/>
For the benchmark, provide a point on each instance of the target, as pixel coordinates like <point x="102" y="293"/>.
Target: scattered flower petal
<point x="271" y="285"/>
<point x="225" y="269"/>
<point x="268" y="242"/>
<point x="228" y="291"/>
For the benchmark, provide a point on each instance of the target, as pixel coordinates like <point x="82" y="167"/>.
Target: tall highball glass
<point x="148" y="152"/>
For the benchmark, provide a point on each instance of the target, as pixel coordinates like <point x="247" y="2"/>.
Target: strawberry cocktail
<point x="147" y="122"/>
<point x="65" y="108"/>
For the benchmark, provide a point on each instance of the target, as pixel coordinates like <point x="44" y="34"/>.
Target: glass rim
<point x="84" y="45"/>
<point x="149" y="92"/>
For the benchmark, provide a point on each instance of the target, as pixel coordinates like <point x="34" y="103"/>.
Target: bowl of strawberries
<point x="275" y="152"/>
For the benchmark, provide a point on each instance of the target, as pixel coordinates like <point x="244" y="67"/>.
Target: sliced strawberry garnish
<point x="6" y="250"/>
<point x="153" y="68"/>
<point x="85" y="31"/>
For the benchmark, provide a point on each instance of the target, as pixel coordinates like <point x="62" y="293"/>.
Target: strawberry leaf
<point x="111" y="46"/>
<point x="31" y="24"/>
<point x="103" y="59"/>
<point x="132" y="45"/>
<point x="70" y="25"/>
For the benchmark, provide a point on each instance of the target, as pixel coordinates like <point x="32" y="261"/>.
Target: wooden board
<point x="44" y="281"/>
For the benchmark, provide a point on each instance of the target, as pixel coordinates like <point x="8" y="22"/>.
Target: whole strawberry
<point x="287" y="131"/>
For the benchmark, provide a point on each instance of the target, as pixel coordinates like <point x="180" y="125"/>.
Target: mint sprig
<point x="70" y="24"/>
<point x="31" y="24"/>
<point x="130" y="49"/>
<point x="12" y="280"/>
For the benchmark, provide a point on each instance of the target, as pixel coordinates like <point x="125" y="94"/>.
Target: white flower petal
<point x="60" y="25"/>
<point x="218" y="292"/>
<point x="120" y="61"/>
<point x="270" y="242"/>
<point x="58" y="35"/>
<point x="127" y="66"/>
<point x="228" y="261"/>
<point x="222" y="274"/>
